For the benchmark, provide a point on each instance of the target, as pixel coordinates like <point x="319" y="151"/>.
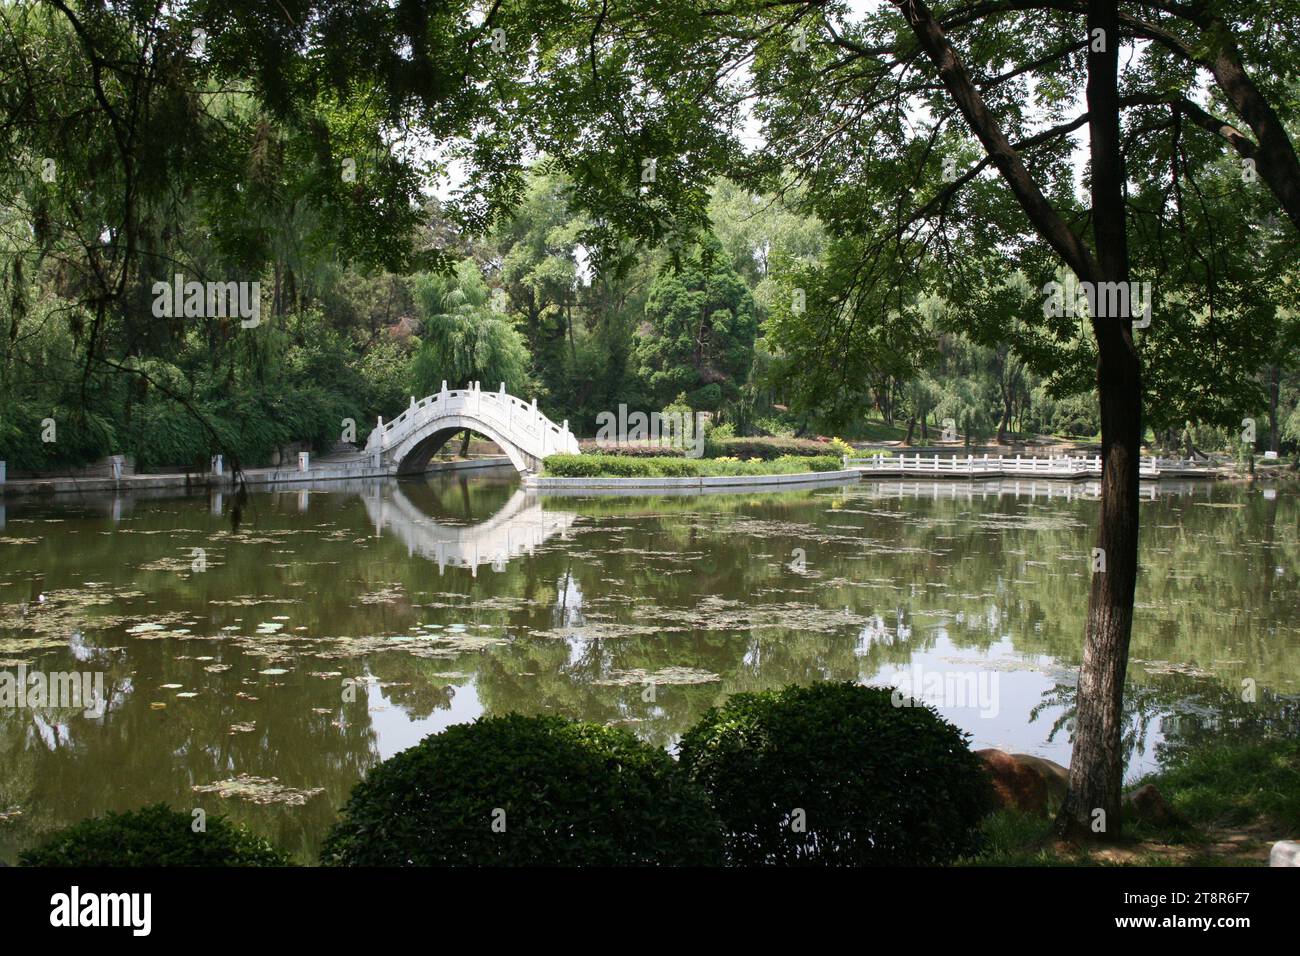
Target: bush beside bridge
<point x="623" y="466"/>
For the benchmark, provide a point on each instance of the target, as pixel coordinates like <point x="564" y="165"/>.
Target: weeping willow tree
<point x="463" y="338"/>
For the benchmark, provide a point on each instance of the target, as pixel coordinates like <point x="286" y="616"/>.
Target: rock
<point x="1054" y="776"/>
<point x="1025" y="782"/>
<point x="1147" y="805"/>
<point x="1285" y="853"/>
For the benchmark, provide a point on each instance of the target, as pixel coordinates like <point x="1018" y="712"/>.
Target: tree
<point x="463" y="340"/>
<point x="698" y="335"/>
<point x="865" y="112"/>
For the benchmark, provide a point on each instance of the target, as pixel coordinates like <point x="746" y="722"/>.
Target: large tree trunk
<point x="1097" y="765"/>
<point x="1097" y="761"/>
<point x="1092" y="806"/>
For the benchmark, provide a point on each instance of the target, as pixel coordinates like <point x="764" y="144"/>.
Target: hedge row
<point x="767" y="448"/>
<point x="623" y="466"/>
<point x="832" y="774"/>
<point x="590" y="446"/>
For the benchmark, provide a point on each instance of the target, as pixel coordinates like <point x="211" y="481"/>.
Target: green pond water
<point x="270" y="651"/>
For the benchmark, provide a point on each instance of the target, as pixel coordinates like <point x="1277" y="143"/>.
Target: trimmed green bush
<point x="521" y="791"/>
<point x="877" y="784"/>
<point x="767" y="448"/>
<point x="620" y="466"/>
<point x="590" y="446"/>
<point x="153" y="836"/>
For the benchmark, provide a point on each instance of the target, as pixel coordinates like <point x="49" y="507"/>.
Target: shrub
<point x="153" y="836"/>
<point x="590" y="446"/>
<point x="572" y="794"/>
<point x="620" y="466"/>
<point x="792" y="463"/>
<point x="767" y="448"/>
<point x="878" y="784"/>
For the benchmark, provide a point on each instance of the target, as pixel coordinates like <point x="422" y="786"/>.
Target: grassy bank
<point x="1236" y="798"/>
<point x="626" y="466"/>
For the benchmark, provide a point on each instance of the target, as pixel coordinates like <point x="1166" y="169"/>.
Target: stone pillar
<point x="3" y="465"/>
<point x="304" y="461"/>
<point x="218" y="466"/>
<point x="115" y="467"/>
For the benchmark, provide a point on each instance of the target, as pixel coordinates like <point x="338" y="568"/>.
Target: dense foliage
<point x="153" y="836"/>
<point x="836" y="774"/>
<point x="520" y="791"/>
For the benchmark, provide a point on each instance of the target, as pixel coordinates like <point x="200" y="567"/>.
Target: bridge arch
<point x="521" y="431"/>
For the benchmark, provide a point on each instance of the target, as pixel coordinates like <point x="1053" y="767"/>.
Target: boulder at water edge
<point x="1024" y="782"/>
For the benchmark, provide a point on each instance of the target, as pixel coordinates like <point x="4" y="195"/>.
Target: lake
<point x="269" y="651"/>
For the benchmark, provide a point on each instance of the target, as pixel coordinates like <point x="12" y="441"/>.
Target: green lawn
<point x="1243" y="792"/>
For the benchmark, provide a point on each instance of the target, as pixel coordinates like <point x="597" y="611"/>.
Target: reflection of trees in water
<point x="418" y="685"/>
<point x="1187" y="711"/>
<point x="466" y="496"/>
<point x="137" y="755"/>
<point x="922" y="569"/>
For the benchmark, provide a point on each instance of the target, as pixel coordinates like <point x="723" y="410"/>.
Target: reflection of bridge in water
<point x="518" y="527"/>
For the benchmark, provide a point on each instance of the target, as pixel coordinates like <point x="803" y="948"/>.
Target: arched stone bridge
<point x="526" y="435"/>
